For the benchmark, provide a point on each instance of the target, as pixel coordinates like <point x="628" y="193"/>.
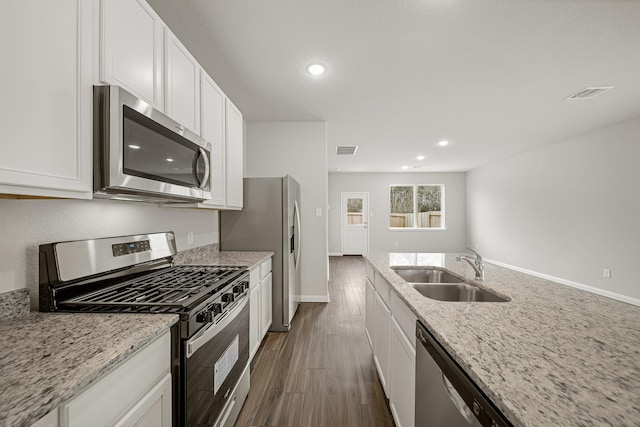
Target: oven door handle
<point x="207" y="333"/>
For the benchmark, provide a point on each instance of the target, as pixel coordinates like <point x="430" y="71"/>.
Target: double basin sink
<point x="442" y="286"/>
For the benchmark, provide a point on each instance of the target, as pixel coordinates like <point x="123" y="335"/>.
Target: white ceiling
<point x="490" y="76"/>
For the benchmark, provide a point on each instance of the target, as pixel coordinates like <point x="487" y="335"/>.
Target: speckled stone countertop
<point x="47" y="358"/>
<point x="552" y="356"/>
<point x="209" y="255"/>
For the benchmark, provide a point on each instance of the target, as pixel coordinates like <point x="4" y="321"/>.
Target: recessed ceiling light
<point x="443" y="143"/>
<point x="405" y="168"/>
<point x="316" y="69"/>
<point x="134" y="146"/>
<point x="420" y="157"/>
<point x="169" y="160"/>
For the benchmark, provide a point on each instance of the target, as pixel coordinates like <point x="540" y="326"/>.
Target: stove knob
<point x="216" y="308"/>
<point x="238" y="289"/>
<point x="204" y="317"/>
<point x="228" y="297"/>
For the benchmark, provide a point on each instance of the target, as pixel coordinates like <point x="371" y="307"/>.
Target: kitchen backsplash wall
<point x="25" y="224"/>
<point x="569" y="210"/>
<point x="14" y="303"/>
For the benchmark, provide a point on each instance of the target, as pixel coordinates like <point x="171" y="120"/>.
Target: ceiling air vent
<point x="589" y="92"/>
<point x="346" y="150"/>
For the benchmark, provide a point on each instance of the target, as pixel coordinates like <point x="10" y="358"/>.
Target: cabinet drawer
<point x="383" y="287"/>
<point x="49" y="420"/>
<point x="265" y="268"/>
<point x="368" y="270"/>
<point x="405" y="317"/>
<point x="106" y="401"/>
<point x="254" y="277"/>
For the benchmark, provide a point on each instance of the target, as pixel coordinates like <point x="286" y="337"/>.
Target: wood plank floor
<point x="321" y="373"/>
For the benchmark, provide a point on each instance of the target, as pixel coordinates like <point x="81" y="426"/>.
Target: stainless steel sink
<point x="460" y="292"/>
<point x="426" y="275"/>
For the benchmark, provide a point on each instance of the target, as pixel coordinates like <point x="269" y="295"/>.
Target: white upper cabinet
<point x="45" y="107"/>
<point x="182" y="83"/>
<point x="131" y="49"/>
<point x="234" y="155"/>
<point x="212" y="131"/>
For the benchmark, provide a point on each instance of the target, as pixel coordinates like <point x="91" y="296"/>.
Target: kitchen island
<point x="553" y="355"/>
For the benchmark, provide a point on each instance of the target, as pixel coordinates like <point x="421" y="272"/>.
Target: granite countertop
<point x="552" y="356"/>
<point x="209" y="256"/>
<point x="48" y="358"/>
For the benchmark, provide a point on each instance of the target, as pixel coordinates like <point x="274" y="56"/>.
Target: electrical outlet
<point x="395" y="243"/>
<point x="318" y="211"/>
<point x="190" y="238"/>
<point x="477" y="246"/>
<point x="606" y="273"/>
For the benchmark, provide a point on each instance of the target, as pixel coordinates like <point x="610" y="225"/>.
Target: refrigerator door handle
<point x="296" y="214"/>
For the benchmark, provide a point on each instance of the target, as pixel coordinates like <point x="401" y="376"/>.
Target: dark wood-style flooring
<point x="321" y="373"/>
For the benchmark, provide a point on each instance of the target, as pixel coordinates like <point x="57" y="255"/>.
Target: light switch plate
<point x="318" y="211"/>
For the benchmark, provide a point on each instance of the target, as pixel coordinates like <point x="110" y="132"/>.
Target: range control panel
<point x="130" y="248"/>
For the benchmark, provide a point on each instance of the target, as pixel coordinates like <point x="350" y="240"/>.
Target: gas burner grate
<point x="176" y="287"/>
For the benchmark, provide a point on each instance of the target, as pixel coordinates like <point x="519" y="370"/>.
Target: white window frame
<point x="443" y="221"/>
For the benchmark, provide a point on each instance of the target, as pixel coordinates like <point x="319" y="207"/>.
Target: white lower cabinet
<point x="369" y="301"/>
<point x="390" y="326"/>
<point x="137" y="393"/>
<point x="260" y="285"/>
<point x="254" y="319"/>
<point x="153" y="410"/>
<point x="266" y="286"/>
<point x="402" y="377"/>
<point x="381" y="353"/>
<point x="49" y="420"/>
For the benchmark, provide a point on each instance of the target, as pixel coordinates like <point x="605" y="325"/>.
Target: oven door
<point x="214" y="361"/>
<point x="141" y="151"/>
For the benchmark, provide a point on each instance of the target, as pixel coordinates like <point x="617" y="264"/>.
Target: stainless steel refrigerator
<point x="270" y="221"/>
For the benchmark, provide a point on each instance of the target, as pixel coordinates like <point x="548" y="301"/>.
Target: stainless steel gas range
<point x="210" y="350"/>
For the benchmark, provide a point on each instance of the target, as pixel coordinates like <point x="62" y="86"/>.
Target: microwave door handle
<point x="207" y="175"/>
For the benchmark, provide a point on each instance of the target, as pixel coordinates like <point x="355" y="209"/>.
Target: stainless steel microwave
<point x="141" y="154"/>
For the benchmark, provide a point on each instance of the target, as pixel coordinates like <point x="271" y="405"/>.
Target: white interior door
<point x="355" y="223"/>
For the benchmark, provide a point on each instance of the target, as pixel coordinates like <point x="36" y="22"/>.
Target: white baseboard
<point x="314" y="298"/>
<point x="335" y="253"/>
<point x="592" y="289"/>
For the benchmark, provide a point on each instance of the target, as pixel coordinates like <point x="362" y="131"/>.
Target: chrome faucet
<point x="477" y="263"/>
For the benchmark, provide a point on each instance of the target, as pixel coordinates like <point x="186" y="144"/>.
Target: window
<point x="416" y="206"/>
<point x="354" y="211"/>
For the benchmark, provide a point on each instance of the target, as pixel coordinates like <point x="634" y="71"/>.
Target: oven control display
<point x="130" y="248"/>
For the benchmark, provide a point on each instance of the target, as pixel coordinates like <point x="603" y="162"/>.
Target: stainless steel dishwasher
<point x="445" y="395"/>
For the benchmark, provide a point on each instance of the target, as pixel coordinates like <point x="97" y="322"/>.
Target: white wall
<point x="568" y="210"/>
<point x="298" y="149"/>
<point x="25" y="224"/>
<point x="381" y="238"/>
